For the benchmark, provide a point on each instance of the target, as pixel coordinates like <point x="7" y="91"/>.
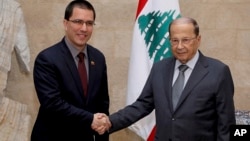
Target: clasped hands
<point x="100" y="123"/>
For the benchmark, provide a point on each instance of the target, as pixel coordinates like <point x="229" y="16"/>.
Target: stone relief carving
<point x="14" y="120"/>
<point x="12" y="36"/>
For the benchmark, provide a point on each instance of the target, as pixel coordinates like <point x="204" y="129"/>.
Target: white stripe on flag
<point x="141" y="61"/>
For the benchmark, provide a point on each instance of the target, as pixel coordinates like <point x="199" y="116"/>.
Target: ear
<point x="65" y="24"/>
<point x="199" y="39"/>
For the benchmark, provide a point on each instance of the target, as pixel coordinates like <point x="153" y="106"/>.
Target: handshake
<point x="100" y="123"/>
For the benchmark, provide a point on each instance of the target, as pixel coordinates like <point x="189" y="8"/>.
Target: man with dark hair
<point x="70" y="79"/>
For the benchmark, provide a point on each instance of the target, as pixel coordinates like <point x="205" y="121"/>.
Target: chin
<point x="183" y="61"/>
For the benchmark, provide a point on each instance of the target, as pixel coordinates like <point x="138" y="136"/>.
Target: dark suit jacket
<point x="64" y="113"/>
<point x="205" y="109"/>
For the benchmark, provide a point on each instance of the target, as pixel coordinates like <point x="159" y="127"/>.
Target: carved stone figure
<point x="12" y="36"/>
<point x="14" y="120"/>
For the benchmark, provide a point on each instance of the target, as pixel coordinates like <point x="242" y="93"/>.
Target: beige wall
<point x="225" y="34"/>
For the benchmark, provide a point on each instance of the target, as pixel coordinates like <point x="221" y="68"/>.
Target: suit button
<point x="173" y="118"/>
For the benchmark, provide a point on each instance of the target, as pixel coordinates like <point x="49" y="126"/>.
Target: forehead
<point x="182" y="29"/>
<point x="82" y="13"/>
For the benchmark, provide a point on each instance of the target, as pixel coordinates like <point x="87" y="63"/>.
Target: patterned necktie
<point x="178" y="85"/>
<point x="82" y="72"/>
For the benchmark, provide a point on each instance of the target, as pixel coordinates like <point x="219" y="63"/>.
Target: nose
<point x="179" y="45"/>
<point x="84" y="27"/>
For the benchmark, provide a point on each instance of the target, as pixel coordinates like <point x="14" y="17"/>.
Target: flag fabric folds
<point x="150" y="44"/>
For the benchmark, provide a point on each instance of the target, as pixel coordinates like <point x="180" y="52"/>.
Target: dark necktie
<point x="82" y="72"/>
<point x="178" y="85"/>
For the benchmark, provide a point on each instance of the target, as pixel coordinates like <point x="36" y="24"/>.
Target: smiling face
<point x="76" y="32"/>
<point x="184" y="41"/>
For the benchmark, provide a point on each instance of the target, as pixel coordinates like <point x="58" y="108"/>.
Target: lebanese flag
<point x="150" y="44"/>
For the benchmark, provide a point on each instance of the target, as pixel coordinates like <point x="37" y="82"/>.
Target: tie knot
<point x="81" y="56"/>
<point x="183" y="68"/>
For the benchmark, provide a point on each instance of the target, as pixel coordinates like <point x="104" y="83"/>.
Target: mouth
<point x="82" y="36"/>
<point x="181" y="53"/>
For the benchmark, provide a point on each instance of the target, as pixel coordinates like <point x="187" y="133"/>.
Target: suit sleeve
<point x="225" y="105"/>
<point x="143" y="106"/>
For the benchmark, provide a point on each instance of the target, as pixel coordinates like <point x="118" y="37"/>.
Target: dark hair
<point x="78" y="3"/>
<point x="186" y="20"/>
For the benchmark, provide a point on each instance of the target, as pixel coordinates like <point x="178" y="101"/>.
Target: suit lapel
<point x="168" y="71"/>
<point x="196" y="76"/>
<point x="70" y="63"/>
<point x="92" y="73"/>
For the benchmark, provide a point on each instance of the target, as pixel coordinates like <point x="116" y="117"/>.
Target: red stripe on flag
<point x="152" y="134"/>
<point x="140" y="6"/>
